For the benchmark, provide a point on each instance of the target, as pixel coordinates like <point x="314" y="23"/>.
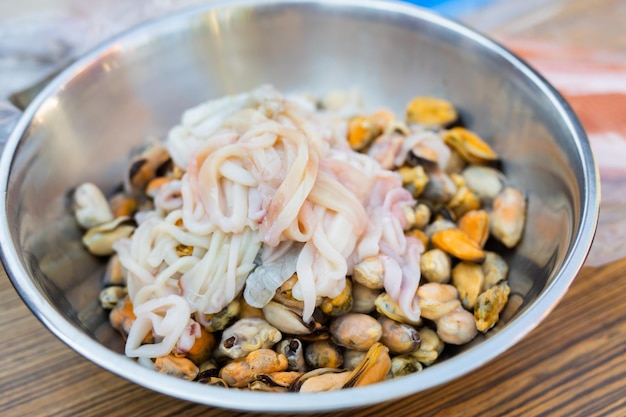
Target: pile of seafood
<point x="300" y="244"/>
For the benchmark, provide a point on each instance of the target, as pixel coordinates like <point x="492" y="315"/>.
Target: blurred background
<point x="578" y="45"/>
<point x="39" y="36"/>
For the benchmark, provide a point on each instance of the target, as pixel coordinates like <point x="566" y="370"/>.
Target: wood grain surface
<point x="572" y="364"/>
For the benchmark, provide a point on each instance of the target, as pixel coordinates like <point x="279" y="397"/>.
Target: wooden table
<point x="572" y="364"/>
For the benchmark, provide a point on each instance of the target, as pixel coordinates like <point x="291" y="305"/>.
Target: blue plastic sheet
<point x="452" y="8"/>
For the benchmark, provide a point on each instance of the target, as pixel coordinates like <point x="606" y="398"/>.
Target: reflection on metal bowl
<point x="82" y="126"/>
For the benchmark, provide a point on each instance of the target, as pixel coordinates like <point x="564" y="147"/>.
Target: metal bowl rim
<point x="253" y="401"/>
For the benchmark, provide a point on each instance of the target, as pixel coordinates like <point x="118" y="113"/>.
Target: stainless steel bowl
<point x="82" y="126"/>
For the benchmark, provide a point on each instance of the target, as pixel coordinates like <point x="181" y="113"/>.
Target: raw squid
<point x="271" y="187"/>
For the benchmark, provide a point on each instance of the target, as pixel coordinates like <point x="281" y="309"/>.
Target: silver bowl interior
<point x="83" y="126"/>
